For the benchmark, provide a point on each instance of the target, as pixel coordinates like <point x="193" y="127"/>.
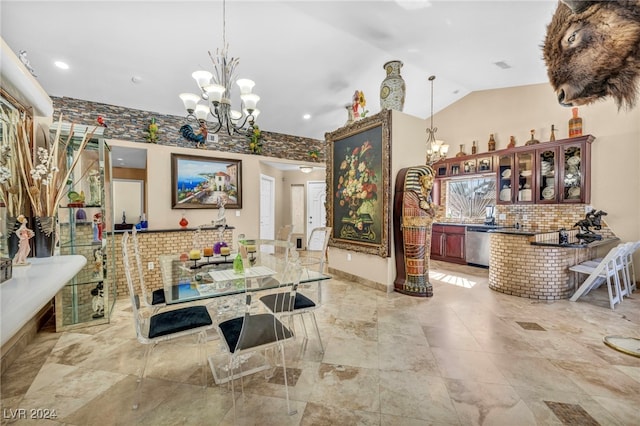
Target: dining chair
<point x="155" y="327"/>
<point x="255" y="329"/>
<point x="305" y="304"/>
<point x="157" y="299"/>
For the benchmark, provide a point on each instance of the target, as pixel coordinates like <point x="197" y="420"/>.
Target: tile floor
<point x="466" y="356"/>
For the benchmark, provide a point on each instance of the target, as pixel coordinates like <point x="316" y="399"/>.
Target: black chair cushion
<point x="179" y="320"/>
<point x="282" y="302"/>
<point x="259" y="330"/>
<point x="157" y="297"/>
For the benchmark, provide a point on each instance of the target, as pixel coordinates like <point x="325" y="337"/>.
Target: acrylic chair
<point x="314" y="258"/>
<point x="256" y="330"/>
<point x="153" y="328"/>
<point x="157" y="299"/>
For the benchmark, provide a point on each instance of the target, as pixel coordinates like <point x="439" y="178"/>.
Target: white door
<point x="267" y="207"/>
<point x="316" y="212"/>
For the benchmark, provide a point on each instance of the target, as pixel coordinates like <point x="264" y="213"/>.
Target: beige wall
<point x="161" y="216"/>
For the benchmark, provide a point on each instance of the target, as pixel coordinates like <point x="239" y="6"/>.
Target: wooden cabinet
<point x="545" y="173"/>
<point x="447" y="243"/>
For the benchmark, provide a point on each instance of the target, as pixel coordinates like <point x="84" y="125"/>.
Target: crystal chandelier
<point x="436" y="149"/>
<point x="216" y="92"/>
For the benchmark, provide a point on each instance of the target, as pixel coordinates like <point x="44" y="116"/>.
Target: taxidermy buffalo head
<point x="592" y="50"/>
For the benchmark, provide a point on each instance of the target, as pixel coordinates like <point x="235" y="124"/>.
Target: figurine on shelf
<point x="24" y="235"/>
<point x="97" y="227"/>
<point x="97" y="303"/>
<point x="94" y="187"/>
<point x="97" y="262"/>
<point x="512" y="142"/>
<point x="221" y="200"/>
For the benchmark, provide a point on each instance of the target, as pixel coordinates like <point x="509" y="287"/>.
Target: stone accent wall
<point x="129" y="124"/>
<point x="152" y="244"/>
<point x="521" y="269"/>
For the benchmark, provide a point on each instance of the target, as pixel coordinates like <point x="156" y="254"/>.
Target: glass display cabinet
<point x="524" y="177"/>
<point x="546" y="188"/>
<point x="83" y="216"/>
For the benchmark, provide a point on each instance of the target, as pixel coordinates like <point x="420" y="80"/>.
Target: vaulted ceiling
<point x="306" y="57"/>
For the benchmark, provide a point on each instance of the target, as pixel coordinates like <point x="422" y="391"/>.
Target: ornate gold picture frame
<point x="358" y="179"/>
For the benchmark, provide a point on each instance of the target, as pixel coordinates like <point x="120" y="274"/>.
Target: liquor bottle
<point x="461" y="153"/>
<point x="474" y="148"/>
<point x="553" y="133"/>
<point x="492" y="143"/>
<point x="575" y="124"/>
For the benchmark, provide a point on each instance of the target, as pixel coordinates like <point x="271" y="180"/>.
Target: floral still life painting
<point x="358" y="202"/>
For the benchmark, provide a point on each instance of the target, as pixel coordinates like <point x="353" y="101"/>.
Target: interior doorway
<point x="316" y="210"/>
<point x="267" y="207"/>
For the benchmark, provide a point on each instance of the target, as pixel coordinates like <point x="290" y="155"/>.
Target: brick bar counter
<point x="153" y="243"/>
<point x="534" y="265"/>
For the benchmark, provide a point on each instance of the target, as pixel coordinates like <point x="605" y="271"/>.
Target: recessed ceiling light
<point x="120" y="159"/>
<point x="502" y="64"/>
<point x="306" y="116"/>
<point x="136" y="79"/>
<point x="61" y="65"/>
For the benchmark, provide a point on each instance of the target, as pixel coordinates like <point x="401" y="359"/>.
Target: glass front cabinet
<point x="88" y="299"/>
<point x="546" y="173"/>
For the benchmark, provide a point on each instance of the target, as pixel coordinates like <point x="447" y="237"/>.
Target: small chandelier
<point x="436" y="149"/>
<point x="216" y="92"/>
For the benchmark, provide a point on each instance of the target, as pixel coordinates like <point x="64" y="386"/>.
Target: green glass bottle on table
<point x="238" y="267"/>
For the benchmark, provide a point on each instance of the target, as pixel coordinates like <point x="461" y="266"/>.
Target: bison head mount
<point x="592" y="51"/>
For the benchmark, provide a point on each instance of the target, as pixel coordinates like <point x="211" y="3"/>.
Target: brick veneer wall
<point x="536" y="272"/>
<point x="154" y="243"/>
<point x="129" y="124"/>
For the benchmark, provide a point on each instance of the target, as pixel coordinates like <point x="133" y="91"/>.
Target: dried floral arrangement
<point x="14" y="128"/>
<point x="45" y="173"/>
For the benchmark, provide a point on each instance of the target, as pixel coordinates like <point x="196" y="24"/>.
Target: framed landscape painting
<point x="358" y="171"/>
<point x="200" y="182"/>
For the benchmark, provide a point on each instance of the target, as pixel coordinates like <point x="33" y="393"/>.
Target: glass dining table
<point x="214" y="277"/>
<point x="210" y="280"/>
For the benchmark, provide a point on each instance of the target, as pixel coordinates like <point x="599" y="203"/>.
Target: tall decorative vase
<point x="44" y="238"/>
<point x="392" y="89"/>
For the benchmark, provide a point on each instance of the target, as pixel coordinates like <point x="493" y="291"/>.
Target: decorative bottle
<point x="553" y="133"/>
<point x="512" y="142"/>
<point x="492" y="143"/>
<point x="533" y="140"/>
<point x="392" y="88"/>
<point x="183" y="222"/>
<point x="461" y="153"/>
<point x="575" y="124"/>
<point x="474" y="148"/>
<point x="238" y="267"/>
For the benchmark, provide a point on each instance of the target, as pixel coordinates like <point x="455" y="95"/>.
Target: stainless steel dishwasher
<point x="477" y="245"/>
